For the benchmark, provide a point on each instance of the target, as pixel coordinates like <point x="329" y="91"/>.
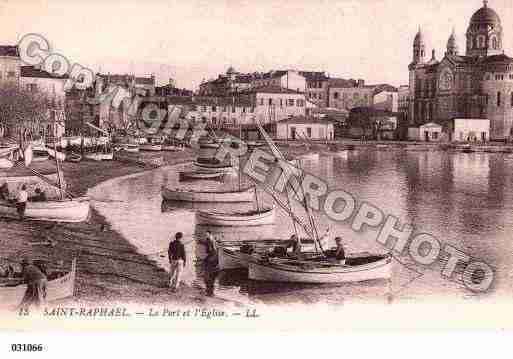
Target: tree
<point x="23" y="113"/>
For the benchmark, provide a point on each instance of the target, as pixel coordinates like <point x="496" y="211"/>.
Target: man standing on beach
<point x="36" y="281"/>
<point x="177" y="260"/>
<point x="210" y="264"/>
<point x="21" y="201"/>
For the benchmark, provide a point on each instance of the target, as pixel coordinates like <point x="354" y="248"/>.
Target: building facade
<point x="478" y="84"/>
<point x="403" y="102"/>
<point x="317" y="87"/>
<point x="10" y="65"/>
<point x="301" y="127"/>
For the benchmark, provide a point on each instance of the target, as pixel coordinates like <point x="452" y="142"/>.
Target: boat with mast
<point x="314" y="266"/>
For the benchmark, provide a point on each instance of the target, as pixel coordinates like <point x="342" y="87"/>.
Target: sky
<point x="194" y="40"/>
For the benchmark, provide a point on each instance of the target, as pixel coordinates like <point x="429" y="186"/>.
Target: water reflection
<point x="463" y="199"/>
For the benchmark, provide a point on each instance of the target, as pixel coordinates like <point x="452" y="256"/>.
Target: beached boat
<point x="52" y="153"/>
<point x="199" y="175"/>
<point x="73" y="157"/>
<point x="172" y="148"/>
<point x="5" y="163"/>
<point x="40" y="156"/>
<point x="212" y="167"/>
<point x="59" y="288"/>
<point x="129" y="147"/>
<point x="66" y="210"/>
<point x="100" y="156"/>
<point x="259" y="217"/>
<point x="356" y="269"/>
<point x="244" y="195"/>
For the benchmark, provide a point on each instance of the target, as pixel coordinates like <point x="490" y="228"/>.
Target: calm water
<point x="463" y="199"/>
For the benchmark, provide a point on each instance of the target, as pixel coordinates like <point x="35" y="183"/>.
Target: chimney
<point x="433" y="55"/>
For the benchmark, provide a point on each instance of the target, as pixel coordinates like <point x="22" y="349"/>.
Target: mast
<point x="59" y="174"/>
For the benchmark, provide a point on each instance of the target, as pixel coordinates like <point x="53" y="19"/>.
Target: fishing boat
<point x="199" y="175"/>
<point x="171" y="148"/>
<point x="150" y="147"/>
<point x="213" y="167"/>
<point x="317" y="271"/>
<point x="12" y="293"/>
<point x="244" y="195"/>
<point x="66" y="210"/>
<point x="74" y="157"/>
<point x="257" y="217"/>
<point x="128" y="147"/>
<point x="238" y="255"/>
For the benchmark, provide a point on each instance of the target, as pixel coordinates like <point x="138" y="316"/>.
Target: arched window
<point x="499" y="99"/>
<point x="495" y="44"/>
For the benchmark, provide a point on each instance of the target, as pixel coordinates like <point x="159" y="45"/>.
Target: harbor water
<point x="463" y="199"/>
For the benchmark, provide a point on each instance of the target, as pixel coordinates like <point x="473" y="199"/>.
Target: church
<point x="476" y="85"/>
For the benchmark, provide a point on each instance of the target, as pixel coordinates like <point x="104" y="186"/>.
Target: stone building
<point x="478" y="84"/>
<point x="317" y="87"/>
<point x="10" y="65"/>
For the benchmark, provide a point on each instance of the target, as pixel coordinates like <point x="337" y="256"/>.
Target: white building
<point x="287" y="79"/>
<point x="10" y="64"/>
<point x="305" y="127"/>
<point x="430" y="132"/>
<point x="386" y="100"/>
<point x="470" y="129"/>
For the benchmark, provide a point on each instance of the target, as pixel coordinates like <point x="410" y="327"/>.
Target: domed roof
<point x="485" y="15"/>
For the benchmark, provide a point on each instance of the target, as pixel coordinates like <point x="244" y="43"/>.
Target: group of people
<point x="336" y="255"/>
<point x="178" y="259"/>
<point x="22" y="197"/>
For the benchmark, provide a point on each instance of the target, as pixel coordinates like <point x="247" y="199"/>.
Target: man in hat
<point x="177" y="261"/>
<point x="338" y="254"/>
<point x="36" y="284"/>
<point x="21" y="201"/>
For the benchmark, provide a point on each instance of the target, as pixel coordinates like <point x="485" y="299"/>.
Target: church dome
<point x="485" y="16"/>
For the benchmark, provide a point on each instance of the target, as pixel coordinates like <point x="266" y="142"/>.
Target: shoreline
<point x="110" y="269"/>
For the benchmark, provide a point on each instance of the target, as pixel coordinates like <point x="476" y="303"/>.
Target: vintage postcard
<point x="271" y="165"/>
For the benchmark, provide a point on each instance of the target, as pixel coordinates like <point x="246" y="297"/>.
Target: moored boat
<point x="99" y="156"/>
<point x="56" y="154"/>
<point x="5" y="163"/>
<point x="243" y="195"/>
<point x="56" y="289"/>
<point x="201" y="175"/>
<point x="320" y="271"/>
<point x="258" y="217"/>
<point x="150" y="147"/>
<point x="67" y="210"/>
<point x="73" y="157"/>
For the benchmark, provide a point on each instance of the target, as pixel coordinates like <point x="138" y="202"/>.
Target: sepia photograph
<point x="260" y="166"/>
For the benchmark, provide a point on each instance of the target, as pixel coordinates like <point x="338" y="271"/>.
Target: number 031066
<point x="27" y="347"/>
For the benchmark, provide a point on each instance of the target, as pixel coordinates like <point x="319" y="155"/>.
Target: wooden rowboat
<point x="201" y="175"/>
<point x="74" y="157"/>
<point x="100" y="156"/>
<point x="237" y="219"/>
<point x="244" y="195"/>
<point x="293" y="271"/>
<point x="150" y="147"/>
<point x="171" y="148"/>
<point x="74" y="210"/>
<point x="56" y="289"/>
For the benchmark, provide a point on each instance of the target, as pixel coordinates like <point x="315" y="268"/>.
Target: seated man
<point x="338" y="254"/>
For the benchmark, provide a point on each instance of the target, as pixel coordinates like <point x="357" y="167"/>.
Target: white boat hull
<point x="147" y="147"/>
<point x="56" y="289"/>
<point x="201" y="175"/>
<point x="76" y="210"/>
<point x="213" y="168"/>
<point x="228" y="259"/>
<point x="270" y="272"/>
<point x="190" y="196"/>
<point x="171" y="148"/>
<point x="235" y="219"/>
<point x="100" y="156"/>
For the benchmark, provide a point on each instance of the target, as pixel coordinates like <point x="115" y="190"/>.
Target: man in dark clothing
<point x="36" y="285"/>
<point x="338" y="254"/>
<point x="210" y="264"/>
<point x="177" y="261"/>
